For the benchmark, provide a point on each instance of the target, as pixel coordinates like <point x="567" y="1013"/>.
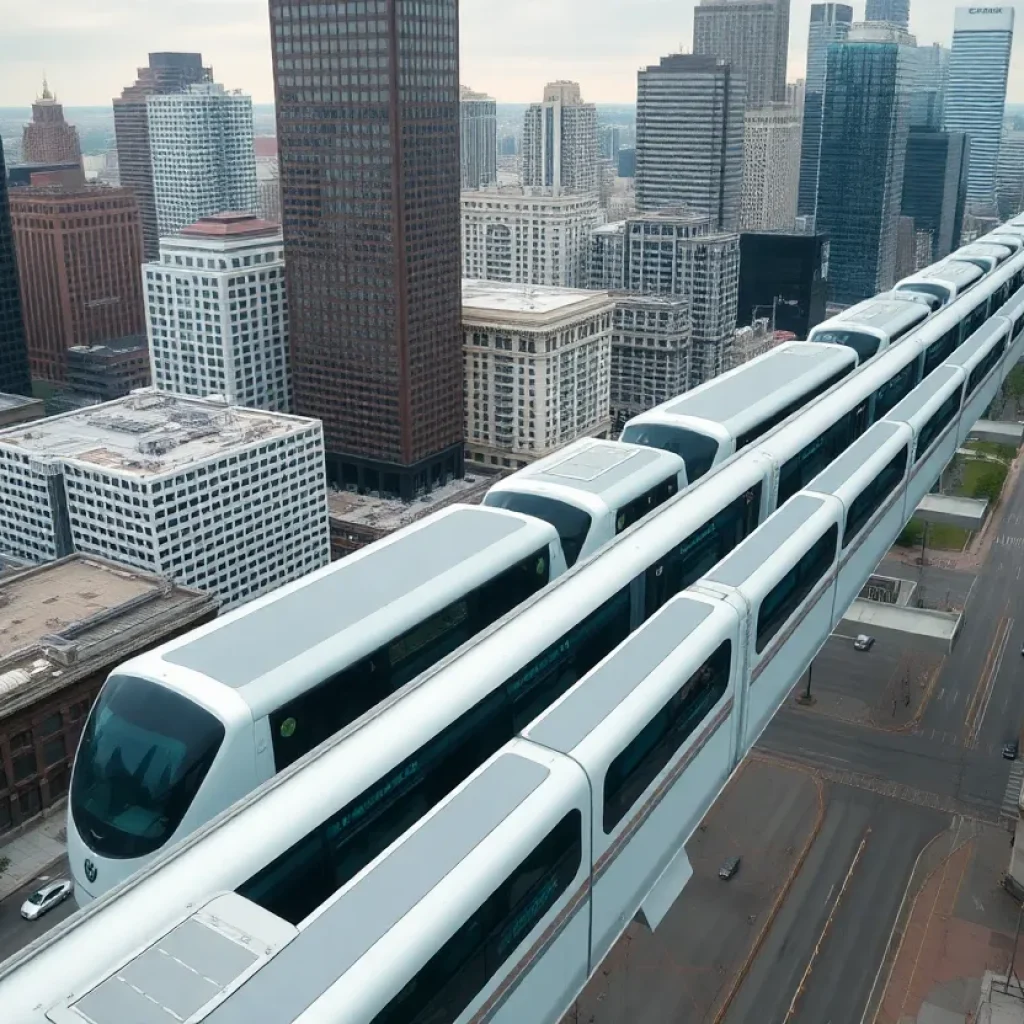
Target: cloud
<point x="510" y="49"/>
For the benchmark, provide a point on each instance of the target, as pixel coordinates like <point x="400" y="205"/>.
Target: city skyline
<point x="505" y="51"/>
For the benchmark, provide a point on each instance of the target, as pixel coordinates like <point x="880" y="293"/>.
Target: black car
<point x="1010" y="750"/>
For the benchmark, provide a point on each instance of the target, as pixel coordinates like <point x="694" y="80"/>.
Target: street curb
<point x="42" y="871"/>
<point x="741" y="974"/>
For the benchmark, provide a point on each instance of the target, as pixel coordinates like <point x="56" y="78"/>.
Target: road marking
<point x="1011" y="795"/>
<point x="828" y="925"/>
<point x="978" y="692"/>
<point x="991" y="686"/>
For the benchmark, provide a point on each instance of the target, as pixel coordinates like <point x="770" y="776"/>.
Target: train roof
<point x="950" y="270"/>
<point x="605" y="469"/>
<point x="1012" y="238"/>
<point x="831" y="480"/>
<point x="984" y="247"/>
<point x="979" y="341"/>
<point x="884" y="314"/>
<point x="736" y="399"/>
<point x="243" y="648"/>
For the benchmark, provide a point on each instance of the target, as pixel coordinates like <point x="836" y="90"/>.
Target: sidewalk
<point x="32" y="853"/>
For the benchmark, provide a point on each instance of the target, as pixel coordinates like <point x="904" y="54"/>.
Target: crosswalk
<point x="1006" y="541"/>
<point x="1011" y="797"/>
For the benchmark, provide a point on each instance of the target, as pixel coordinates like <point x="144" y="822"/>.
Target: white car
<point x="46" y="898"/>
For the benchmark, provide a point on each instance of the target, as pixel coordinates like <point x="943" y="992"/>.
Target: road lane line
<point x="992" y="682"/>
<point x="979" y="688"/>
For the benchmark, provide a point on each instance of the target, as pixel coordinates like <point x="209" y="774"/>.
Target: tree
<point x="989" y="484"/>
<point x="911" y="535"/>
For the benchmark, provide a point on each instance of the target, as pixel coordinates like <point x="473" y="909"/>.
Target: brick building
<point x="79" y="252"/>
<point x="48" y="138"/>
<point x="63" y="627"/>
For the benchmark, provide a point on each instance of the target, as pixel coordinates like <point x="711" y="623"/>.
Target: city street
<point x="15" y="931"/>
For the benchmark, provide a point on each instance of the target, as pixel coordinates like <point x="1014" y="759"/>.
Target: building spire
<point x="46" y="89"/>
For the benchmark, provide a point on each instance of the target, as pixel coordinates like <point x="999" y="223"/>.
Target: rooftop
<point x="67" y="619"/>
<point x="149" y="433"/>
<point x="540" y="303"/>
<point x="230" y="225"/>
<point x="15" y="401"/>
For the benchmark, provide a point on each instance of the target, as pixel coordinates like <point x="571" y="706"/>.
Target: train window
<point x="572" y="523"/>
<point x="938" y="422"/>
<point x="1018" y="326"/>
<point x="762" y="428"/>
<point x="865" y="345"/>
<point x="815" y="457"/>
<point x="939" y="351"/>
<point x="793" y="589"/>
<point x="890" y="394"/>
<point x="697" y="450"/>
<point x="640" y="507"/>
<point x="369" y="823"/>
<point x="456" y="974"/>
<point x="495" y="599"/>
<point x="646" y="756"/>
<point x="974" y="320"/>
<point x="985" y="367"/>
<point x="702" y="550"/>
<point x="874" y="496"/>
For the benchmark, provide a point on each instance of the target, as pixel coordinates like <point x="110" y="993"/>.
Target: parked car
<point x="729" y="868"/>
<point x="46" y="898"/>
<point x="1010" y="750"/>
<point x="863" y="643"/>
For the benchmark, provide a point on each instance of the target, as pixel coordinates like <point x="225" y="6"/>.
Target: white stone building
<point x="560" y="142"/>
<point x="202" y="151"/>
<point x="231" y="501"/>
<point x="217" y="313"/>
<point x="771" y="168"/>
<point x="537" y="369"/>
<point x="527" y="236"/>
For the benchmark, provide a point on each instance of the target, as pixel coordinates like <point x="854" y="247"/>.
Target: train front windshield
<point x="865" y="345"/>
<point x="144" y="754"/>
<point x="697" y="450"/>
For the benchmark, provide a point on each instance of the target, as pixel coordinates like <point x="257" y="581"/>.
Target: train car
<point x="984" y="255"/>
<point x="946" y="280"/>
<point x="591" y="491"/>
<point x="873" y="326"/>
<point x="183" y="731"/>
<point x="710" y="424"/>
<point x="980" y="358"/>
<point x="1013" y="311"/>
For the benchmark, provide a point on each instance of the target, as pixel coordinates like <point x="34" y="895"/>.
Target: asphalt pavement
<point x="15" y="931"/>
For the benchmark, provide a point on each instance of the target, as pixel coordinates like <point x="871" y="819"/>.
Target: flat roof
<point x="389" y="514"/>
<point x="149" y="433"/>
<point x="230" y="225"/>
<point x="94" y="608"/>
<point x="540" y="303"/>
<point x="16" y="401"/>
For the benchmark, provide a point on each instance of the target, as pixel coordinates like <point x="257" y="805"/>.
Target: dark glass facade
<point x="896" y="12"/>
<point x="14" y="373"/>
<point x="368" y="142"/>
<point x="934" y="187"/>
<point x="865" y="124"/>
<point x="789" y="271"/>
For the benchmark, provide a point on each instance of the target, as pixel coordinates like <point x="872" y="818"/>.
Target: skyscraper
<point x="1010" y="179"/>
<point x="976" y="95"/>
<point x="932" y="189"/>
<point x="370" y="204"/>
<point x="896" y="12"/>
<point x="771" y="168"/>
<point x="863" y="150"/>
<point x="167" y="72"/>
<point x="48" y="138"/>
<point x="689" y="138"/>
<point x="14" y="374"/>
<point x="478" y="139"/>
<point x="560" y="141"/>
<point x="928" y="95"/>
<point x="753" y="37"/>
<point x="830" y="23"/>
<point x="200" y="143"/>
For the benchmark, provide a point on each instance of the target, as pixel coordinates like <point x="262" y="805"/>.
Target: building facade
<point x="50" y="675"/>
<point x="217" y="313"/>
<point x="1010" y="174"/>
<point x="784" y="277"/>
<point x="231" y="501"/>
<point x="896" y="12"/>
<point x="560" y="142"/>
<point x="689" y="138"/>
<point x="101" y="373"/>
<point x="830" y="23"/>
<point x="538" y="363"/>
<point x="478" y="139"/>
<point x="48" y="138"/>
<point x="976" y="96"/>
<point x="165" y="73"/>
<point x="14" y="372"/>
<point x="651" y="341"/>
<point x="934" y="190"/>
<point x="79" y="253"/>
<point x="371" y="230"/>
<point x="753" y="37"/>
<point x="771" y="168"/>
<point x="928" y="90"/>
<point x="202" y="151"/>
<point x="865" y="125"/>
<point x="527" y="236"/>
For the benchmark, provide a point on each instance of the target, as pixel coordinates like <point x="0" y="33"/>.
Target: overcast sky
<point x="510" y="48"/>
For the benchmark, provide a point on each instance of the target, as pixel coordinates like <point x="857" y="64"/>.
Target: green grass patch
<point x="1004" y="452"/>
<point x="940" y="538"/>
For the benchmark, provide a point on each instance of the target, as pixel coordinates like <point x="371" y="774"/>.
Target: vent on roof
<point x="60" y="650"/>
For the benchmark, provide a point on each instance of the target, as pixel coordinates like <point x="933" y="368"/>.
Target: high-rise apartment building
<point x="1010" y="174"/>
<point x="895" y="12"/>
<point x="370" y="202"/>
<point x="689" y="138"/>
<point x="527" y="236"/>
<point x="934" y="184"/>
<point x="217" y="312"/>
<point x="231" y="501"/>
<point x="478" y="138"/>
<point x="830" y="23"/>
<point x="865" y="123"/>
<point x="14" y="373"/>
<point x="976" y="95"/>
<point x="771" y="168"/>
<point x="560" y="141"/>
<point x="201" y="146"/>
<point x="78" y="252"/>
<point x="166" y="72"/>
<point x="537" y="369"/>
<point x="753" y="37"/>
<point x="48" y="138"/>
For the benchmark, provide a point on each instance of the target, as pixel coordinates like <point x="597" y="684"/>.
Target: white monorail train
<point x="296" y="847"/>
